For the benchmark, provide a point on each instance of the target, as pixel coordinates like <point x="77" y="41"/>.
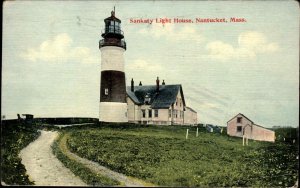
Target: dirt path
<point x="95" y="167"/>
<point x="43" y="167"/>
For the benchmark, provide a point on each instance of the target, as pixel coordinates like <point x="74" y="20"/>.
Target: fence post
<point x="187" y="133"/>
<point x="197" y="132"/>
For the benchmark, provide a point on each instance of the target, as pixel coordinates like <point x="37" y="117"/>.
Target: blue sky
<point x="51" y="60"/>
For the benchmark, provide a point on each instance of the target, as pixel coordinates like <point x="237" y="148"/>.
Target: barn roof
<point x="242" y="115"/>
<point x="249" y="120"/>
<point x="163" y="99"/>
<point x="262" y="127"/>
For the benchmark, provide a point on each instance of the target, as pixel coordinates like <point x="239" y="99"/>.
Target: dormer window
<point x="147" y="99"/>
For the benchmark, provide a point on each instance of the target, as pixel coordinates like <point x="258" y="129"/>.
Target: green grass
<point x="89" y="177"/>
<point x="14" y="137"/>
<point x="161" y="155"/>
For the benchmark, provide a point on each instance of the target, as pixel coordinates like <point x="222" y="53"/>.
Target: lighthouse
<point x="113" y="105"/>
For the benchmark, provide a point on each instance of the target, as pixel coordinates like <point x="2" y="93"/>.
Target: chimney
<point x="140" y="83"/>
<point x="132" y="85"/>
<point x="163" y="83"/>
<point x="157" y="84"/>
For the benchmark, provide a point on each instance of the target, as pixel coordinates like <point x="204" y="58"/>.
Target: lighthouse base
<point x="113" y="112"/>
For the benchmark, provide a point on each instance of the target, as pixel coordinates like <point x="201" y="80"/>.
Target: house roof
<point x="241" y="115"/>
<point x="191" y="109"/>
<point x="163" y="99"/>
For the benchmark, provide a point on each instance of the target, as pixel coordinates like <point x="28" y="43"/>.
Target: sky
<point x="51" y="61"/>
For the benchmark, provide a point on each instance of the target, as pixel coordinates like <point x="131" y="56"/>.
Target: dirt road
<point x="96" y="168"/>
<point x="43" y="167"/>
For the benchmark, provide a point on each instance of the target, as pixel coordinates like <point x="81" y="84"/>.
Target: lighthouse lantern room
<point x="113" y="106"/>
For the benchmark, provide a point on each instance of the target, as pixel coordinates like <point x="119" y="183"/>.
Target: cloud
<point x="220" y="50"/>
<point x="171" y="33"/>
<point x="250" y="44"/>
<point x="59" y="49"/>
<point x="141" y="65"/>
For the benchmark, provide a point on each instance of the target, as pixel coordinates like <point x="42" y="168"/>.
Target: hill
<point x="162" y="155"/>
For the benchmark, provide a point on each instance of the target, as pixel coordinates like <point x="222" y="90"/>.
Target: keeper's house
<point x="158" y="104"/>
<point x="240" y="125"/>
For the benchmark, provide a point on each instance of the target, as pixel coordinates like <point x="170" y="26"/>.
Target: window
<point x="176" y="103"/>
<point x="106" y="91"/>
<point x="150" y="113"/>
<point x="117" y="27"/>
<point x="239" y="120"/>
<point x="181" y="114"/>
<point x="170" y="113"/>
<point x="239" y="129"/>
<point x="143" y="113"/>
<point x="147" y="99"/>
<point x="155" y="113"/>
<point x="111" y="28"/>
<point x="175" y="113"/>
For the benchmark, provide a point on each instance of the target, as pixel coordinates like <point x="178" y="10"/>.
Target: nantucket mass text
<point x="185" y="20"/>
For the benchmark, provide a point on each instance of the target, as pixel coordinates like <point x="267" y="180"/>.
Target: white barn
<point x="240" y="125"/>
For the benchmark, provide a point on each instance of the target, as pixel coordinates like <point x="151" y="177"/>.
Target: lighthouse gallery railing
<point x="105" y="42"/>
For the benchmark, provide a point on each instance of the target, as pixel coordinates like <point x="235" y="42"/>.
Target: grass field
<point x="161" y="155"/>
<point x="89" y="177"/>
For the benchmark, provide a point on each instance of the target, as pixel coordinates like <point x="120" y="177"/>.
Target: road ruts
<point x="43" y="167"/>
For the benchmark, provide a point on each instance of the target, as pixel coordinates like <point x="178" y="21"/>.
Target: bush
<point x="15" y="136"/>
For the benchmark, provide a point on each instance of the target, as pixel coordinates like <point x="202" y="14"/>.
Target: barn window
<point x="239" y="120"/>
<point x="144" y="113"/>
<point x="106" y="91"/>
<point x="239" y="129"/>
<point x="155" y="113"/>
<point x="150" y="113"/>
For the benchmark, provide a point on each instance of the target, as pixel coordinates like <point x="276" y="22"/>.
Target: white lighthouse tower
<point x="113" y="106"/>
